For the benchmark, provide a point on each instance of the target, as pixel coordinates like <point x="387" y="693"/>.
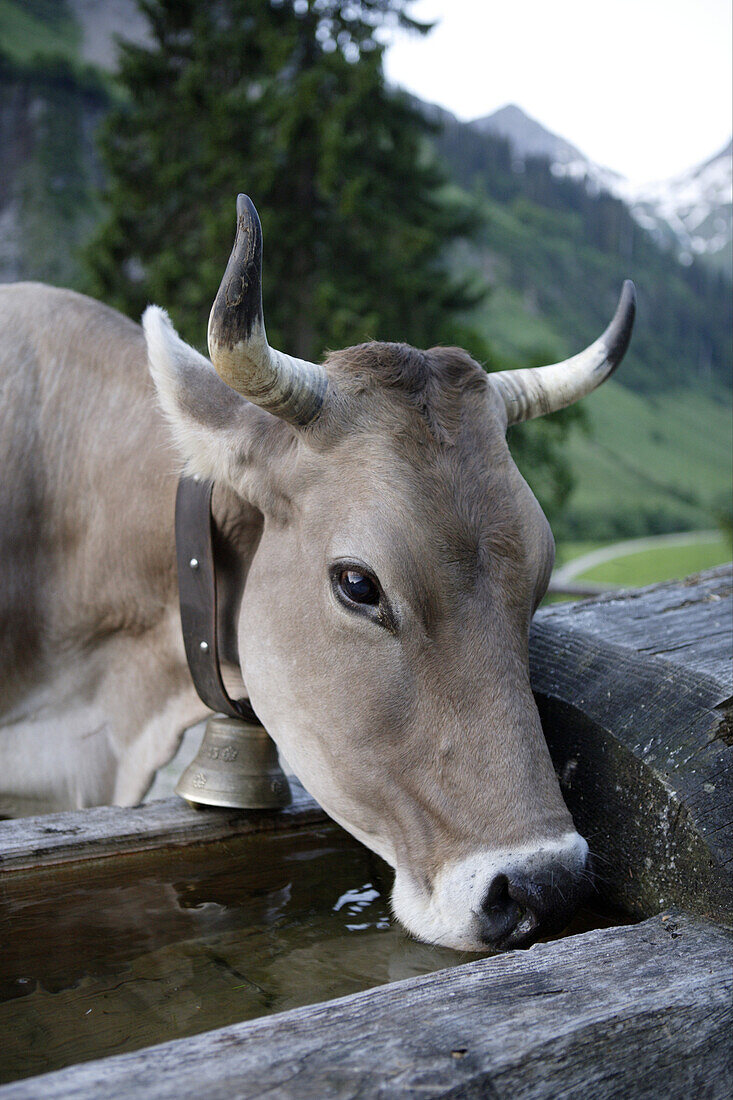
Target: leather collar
<point x="197" y="597"/>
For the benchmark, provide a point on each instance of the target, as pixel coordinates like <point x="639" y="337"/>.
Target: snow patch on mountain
<point x="596" y="177"/>
<point x="691" y="212"/>
<point x="696" y="207"/>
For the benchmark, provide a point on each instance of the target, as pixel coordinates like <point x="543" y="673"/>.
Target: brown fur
<point x="431" y="383"/>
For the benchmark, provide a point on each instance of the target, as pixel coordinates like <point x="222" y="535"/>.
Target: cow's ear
<point x="219" y="434"/>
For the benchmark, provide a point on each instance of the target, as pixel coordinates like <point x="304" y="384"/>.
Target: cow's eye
<point x="358" y="587"/>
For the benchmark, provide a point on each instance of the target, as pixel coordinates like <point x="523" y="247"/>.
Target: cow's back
<point x="88" y="481"/>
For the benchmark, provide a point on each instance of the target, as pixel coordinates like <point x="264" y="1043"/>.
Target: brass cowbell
<point x="236" y="767"/>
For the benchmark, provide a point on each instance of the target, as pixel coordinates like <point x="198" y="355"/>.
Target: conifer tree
<point x="286" y="100"/>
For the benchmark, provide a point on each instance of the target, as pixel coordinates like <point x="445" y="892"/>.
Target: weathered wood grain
<point x="108" y="830"/>
<point x="636" y="696"/>
<point x="642" y="1011"/>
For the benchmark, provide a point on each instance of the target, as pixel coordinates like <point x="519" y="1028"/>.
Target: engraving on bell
<point x="236" y="767"/>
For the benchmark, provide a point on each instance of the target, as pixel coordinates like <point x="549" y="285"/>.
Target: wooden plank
<point x="674" y="620"/>
<point x="635" y="693"/>
<point x="110" y="830"/>
<point x="642" y="1011"/>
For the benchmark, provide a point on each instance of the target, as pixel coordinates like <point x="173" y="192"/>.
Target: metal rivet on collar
<point x="194" y="563"/>
<point x="204" y="646"/>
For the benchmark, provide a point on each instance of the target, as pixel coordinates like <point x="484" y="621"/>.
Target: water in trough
<point x="120" y="953"/>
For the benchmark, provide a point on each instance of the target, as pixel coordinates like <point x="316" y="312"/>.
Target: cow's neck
<point x="96" y="726"/>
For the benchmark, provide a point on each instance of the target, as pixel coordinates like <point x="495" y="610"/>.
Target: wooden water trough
<point x="636" y="697"/>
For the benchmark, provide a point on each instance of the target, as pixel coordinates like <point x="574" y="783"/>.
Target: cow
<point x="380" y="559"/>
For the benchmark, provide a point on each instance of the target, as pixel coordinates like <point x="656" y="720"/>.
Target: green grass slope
<point x="565" y="251"/>
<point x="650" y="464"/>
<point x="659" y="563"/>
<point x="35" y="29"/>
<point x="655" y="458"/>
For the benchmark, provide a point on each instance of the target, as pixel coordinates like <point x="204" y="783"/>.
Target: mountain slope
<point x="658" y="454"/>
<point x="528" y="137"/>
<point x="652" y="461"/>
<point x="693" y="210"/>
<point x="691" y="213"/>
<point x="565" y="251"/>
<point x="101" y="24"/>
<point x="649" y="464"/>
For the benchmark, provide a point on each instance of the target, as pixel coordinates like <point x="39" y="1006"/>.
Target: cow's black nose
<point x="500" y="913"/>
<point x="517" y="908"/>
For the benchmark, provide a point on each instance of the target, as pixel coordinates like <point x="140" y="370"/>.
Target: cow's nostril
<point x="519" y="907"/>
<point x="534" y="897"/>
<point x="500" y="914"/>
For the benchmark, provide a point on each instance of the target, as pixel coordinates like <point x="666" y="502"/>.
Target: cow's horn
<point x="535" y="391"/>
<point x="287" y="387"/>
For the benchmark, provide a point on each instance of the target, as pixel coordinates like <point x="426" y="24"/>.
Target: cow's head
<point x="383" y="631"/>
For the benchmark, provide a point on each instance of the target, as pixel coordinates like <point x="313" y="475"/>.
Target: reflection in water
<point x="357" y="900"/>
<point x="125" y="952"/>
<point x="118" y="954"/>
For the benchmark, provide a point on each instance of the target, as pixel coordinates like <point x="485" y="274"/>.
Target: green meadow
<point x="651" y="463"/>
<point x="36" y="29"/>
<point x="655" y="560"/>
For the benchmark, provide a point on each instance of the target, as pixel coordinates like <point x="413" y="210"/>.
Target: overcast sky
<point x="640" y="86"/>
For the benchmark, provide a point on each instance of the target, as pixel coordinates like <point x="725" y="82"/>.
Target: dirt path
<point x="578" y="566"/>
